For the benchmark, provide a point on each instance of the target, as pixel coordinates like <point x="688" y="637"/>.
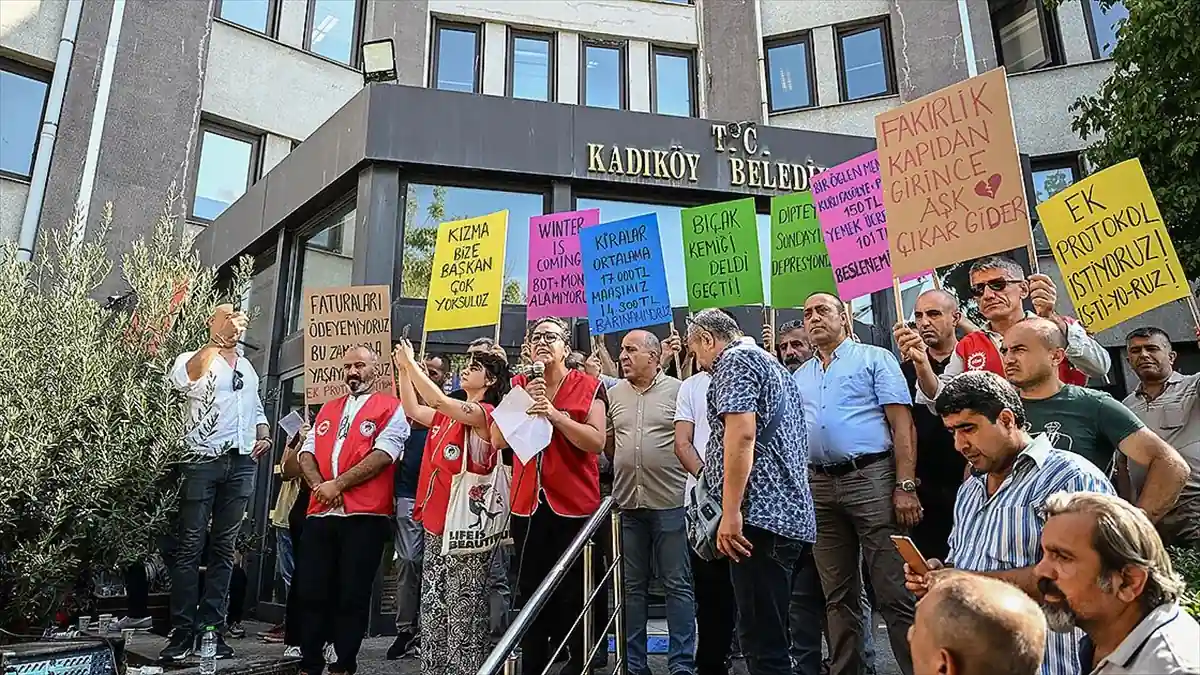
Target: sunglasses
<point x="239" y="380"/>
<point x="997" y="285"/>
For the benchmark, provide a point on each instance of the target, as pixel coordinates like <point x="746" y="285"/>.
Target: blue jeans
<point x="762" y="585"/>
<point x="806" y="621"/>
<point x="284" y="562"/>
<point x="661" y="536"/>
<point x="216" y="492"/>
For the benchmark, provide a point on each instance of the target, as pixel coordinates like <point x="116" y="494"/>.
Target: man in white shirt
<point x="229" y="432"/>
<point x="1105" y="570"/>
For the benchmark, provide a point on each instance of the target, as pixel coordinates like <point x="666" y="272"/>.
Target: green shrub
<point x="1187" y="565"/>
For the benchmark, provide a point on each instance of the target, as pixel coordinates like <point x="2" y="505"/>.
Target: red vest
<point x="569" y="477"/>
<point x="376" y="494"/>
<point x="978" y="352"/>
<point x="445" y="448"/>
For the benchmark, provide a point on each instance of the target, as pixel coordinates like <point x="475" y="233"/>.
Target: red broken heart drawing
<point x="990" y="188"/>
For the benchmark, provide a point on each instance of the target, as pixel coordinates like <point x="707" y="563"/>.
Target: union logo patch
<point x="366" y="428"/>
<point x="323" y="428"/>
<point x="452" y="453"/>
<point x="976" y="361"/>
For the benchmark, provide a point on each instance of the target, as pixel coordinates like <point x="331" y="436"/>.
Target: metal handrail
<point x="500" y="659"/>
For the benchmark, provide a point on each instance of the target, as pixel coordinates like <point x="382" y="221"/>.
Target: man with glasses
<point x="999" y="286"/>
<point x="229" y="432"/>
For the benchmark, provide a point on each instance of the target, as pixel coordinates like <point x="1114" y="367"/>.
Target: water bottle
<point x="208" y="651"/>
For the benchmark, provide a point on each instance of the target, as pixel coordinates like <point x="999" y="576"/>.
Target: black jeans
<point x="716" y="614"/>
<point x="291" y="611"/>
<point x="339" y="559"/>
<point x="540" y="541"/>
<point x="762" y="585"/>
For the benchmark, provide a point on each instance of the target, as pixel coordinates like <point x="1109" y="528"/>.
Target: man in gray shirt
<point x="648" y="488"/>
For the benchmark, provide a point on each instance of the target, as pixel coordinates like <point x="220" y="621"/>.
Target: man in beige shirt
<point x="648" y="488"/>
<point x="1168" y="403"/>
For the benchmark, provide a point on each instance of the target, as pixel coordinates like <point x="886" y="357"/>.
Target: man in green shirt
<point x="1085" y="421"/>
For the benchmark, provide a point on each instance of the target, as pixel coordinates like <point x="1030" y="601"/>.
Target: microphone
<point x="538" y="369"/>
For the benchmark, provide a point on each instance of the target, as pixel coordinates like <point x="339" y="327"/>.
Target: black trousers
<point x="716" y="614"/>
<point x="540" y="541"/>
<point x="291" y="611"/>
<point x="932" y="534"/>
<point x="339" y="560"/>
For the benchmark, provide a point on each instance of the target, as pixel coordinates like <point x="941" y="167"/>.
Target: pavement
<point x="253" y="655"/>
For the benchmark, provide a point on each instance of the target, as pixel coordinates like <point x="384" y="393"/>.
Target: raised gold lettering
<point x="614" y="164"/>
<point x="785" y="176"/>
<point x="693" y="160"/>
<point x="646" y="165"/>
<point x="660" y="164"/>
<point x="769" y="169"/>
<point x="737" y="171"/>
<point x="633" y="161"/>
<point x="677" y="163"/>
<point x="596" y="158"/>
<point x="718" y="133"/>
<point x="750" y="140"/>
<point x="754" y="169"/>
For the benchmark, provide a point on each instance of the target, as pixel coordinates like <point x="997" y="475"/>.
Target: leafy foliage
<point x="89" y="427"/>
<point x="1149" y="108"/>
<point x="1187" y="564"/>
<point x="420" y="240"/>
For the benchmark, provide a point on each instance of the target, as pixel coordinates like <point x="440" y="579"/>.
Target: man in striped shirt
<point x="998" y="516"/>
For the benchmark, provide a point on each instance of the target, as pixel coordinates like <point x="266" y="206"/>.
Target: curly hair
<point x="496" y="369"/>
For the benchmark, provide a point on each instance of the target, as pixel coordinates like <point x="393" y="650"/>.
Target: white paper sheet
<point x="291" y="424"/>
<point x="526" y="434"/>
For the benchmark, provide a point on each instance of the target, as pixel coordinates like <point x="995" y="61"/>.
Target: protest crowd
<point x="999" y="515"/>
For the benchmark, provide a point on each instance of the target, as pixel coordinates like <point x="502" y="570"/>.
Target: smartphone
<point x="404" y="332"/>
<point x="908" y="551"/>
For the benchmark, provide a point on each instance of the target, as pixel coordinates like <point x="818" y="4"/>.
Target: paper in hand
<point x="291" y="424"/>
<point x="526" y="434"/>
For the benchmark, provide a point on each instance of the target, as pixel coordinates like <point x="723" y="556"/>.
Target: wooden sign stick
<point x="678" y="368"/>
<point x="1191" y="302"/>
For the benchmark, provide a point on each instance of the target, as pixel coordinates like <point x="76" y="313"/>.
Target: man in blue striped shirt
<point x="998" y="516"/>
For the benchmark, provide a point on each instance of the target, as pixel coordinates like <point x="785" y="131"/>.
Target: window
<point x="530" y="66"/>
<point x="227" y="165"/>
<point x="332" y="30"/>
<point x="602" y="74"/>
<point x="22" y="103"/>
<point x="864" y="55"/>
<point x="790" y="74"/>
<point x="260" y="297"/>
<point x="673" y="89"/>
<point x="257" y="15"/>
<point x="456" y="58"/>
<point x="1052" y="175"/>
<point x="431" y="205"/>
<point x="1103" y="25"/>
<point x="1026" y="33"/>
<point x="323" y="264"/>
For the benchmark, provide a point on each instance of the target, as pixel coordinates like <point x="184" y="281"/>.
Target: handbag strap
<point x="769" y="431"/>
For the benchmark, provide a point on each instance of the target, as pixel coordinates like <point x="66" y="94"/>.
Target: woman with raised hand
<point x="553" y="495"/>
<point x="454" y="588"/>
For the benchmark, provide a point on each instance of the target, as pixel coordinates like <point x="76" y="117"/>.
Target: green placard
<point x="720" y="245"/>
<point x="799" y="259"/>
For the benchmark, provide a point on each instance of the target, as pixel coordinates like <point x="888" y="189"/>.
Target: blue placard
<point x="624" y="276"/>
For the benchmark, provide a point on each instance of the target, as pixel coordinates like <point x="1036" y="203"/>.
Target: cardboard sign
<point x="556" y="266"/>
<point x="1112" y="247"/>
<point x="952" y="181"/>
<point x="338" y="320"/>
<point x="624" y="275"/>
<point x="467" y="283"/>
<point x="799" y="260"/>
<point x="721" y="260"/>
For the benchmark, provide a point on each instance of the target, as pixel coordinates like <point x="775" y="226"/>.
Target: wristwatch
<point x="907" y="485"/>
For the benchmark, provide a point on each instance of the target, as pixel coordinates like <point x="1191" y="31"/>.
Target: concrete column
<point x="928" y="46"/>
<point x="378" y="219"/>
<point x="407" y="23"/>
<point x="567" y="55"/>
<point x="495" y="58"/>
<point x="292" y="16"/>
<point x="637" y="57"/>
<point x="729" y="74"/>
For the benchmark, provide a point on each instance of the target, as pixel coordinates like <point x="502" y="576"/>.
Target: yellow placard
<point x="467" y="282"/>
<point x="1112" y="247"/>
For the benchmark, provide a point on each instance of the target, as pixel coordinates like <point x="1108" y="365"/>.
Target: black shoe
<point x="180" y="646"/>
<point x="400" y="646"/>
<point x="224" y="651"/>
<point x="235" y="630"/>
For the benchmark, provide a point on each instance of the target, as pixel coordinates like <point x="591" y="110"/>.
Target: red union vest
<point x="979" y="352"/>
<point x="375" y="495"/>
<point x="569" y="477"/>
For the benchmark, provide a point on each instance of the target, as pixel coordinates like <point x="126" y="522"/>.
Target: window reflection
<point x="324" y="265"/>
<point x="864" y="65"/>
<point x="457" y="51"/>
<point x="332" y="33"/>
<point x="787" y="65"/>
<point x="602" y="76"/>
<point x="431" y="205"/>
<point x="252" y="14"/>
<point x="1049" y="182"/>
<point x="531" y="68"/>
<point x="673" y="84"/>
<point x="1022" y="33"/>
<point x="1104" y="25"/>
<point x="259" y="302"/>
<point x="22" y="100"/>
<point x="223" y="173"/>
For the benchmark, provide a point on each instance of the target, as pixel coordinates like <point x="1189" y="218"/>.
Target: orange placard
<point x="952" y="183"/>
<point x="339" y="319"/>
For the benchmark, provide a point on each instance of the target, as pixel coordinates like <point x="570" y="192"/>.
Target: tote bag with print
<point x="478" y="510"/>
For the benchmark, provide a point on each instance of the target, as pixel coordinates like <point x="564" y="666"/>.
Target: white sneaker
<point x="330" y="654"/>
<point x="130" y="622"/>
<point x="291" y="653"/>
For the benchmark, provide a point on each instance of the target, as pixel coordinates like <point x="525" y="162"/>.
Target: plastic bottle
<point x="208" y="651"/>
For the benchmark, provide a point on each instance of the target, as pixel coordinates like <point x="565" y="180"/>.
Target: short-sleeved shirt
<point x="746" y="379"/>
<point x="843" y="403"/>
<point x="1084" y="421"/>
<point x="692" y="406"/>
<point x="1175" y="417"/>
<point x="647" y="474"/>
<point x="1164" y="643"/>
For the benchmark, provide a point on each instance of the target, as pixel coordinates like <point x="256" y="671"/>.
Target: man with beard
<point x="1104" y="570"/>
<point x="997" y="531"/>
<point x="1085" y="421"/>
<point x="999" y="286"/>
<point x="347" y="462"/>
<point x="940" y="468"/>
<point x="794" y="346"/>
<point x="1168" y="402"/>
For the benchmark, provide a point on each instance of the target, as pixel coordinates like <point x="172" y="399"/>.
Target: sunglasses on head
<point x="997" y="285"/>
<point x="239" y="380"/>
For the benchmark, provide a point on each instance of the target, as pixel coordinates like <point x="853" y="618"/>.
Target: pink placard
<point x="849" y="199"/>
<point x="556" y="266"/>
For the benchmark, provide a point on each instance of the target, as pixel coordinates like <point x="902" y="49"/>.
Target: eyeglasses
<point x="997" y="285"/>
<point x="544" y="338"/>
<point x="239" y="380"/>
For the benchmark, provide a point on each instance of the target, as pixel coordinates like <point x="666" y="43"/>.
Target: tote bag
<point x="478" y="510"/>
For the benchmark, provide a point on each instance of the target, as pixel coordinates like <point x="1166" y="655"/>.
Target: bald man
<point x="1085" y="421"/>
<point x="940" y="468"/>
<point x="973" y="625"/>
<point x="648" y="488"/>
